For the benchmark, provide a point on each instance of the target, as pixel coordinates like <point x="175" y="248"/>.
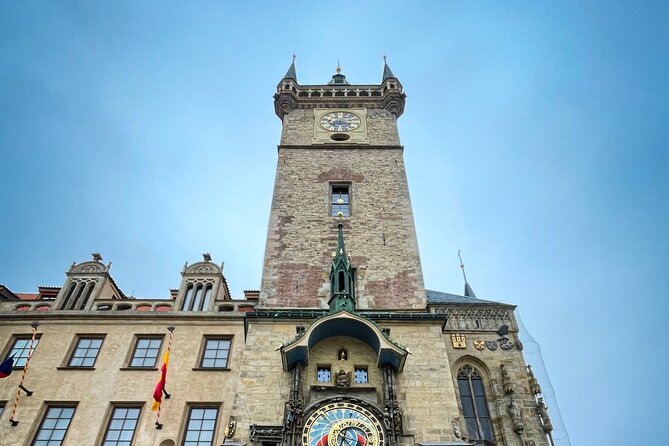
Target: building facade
<point x="341" y="346"/>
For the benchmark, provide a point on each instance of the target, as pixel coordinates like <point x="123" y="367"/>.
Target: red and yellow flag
<point x="160" y="386"/>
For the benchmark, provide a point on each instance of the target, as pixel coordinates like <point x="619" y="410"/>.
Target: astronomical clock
<point x="343" y="424"/>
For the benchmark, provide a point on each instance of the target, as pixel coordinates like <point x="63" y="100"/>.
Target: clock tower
<point x="340" y="161"/>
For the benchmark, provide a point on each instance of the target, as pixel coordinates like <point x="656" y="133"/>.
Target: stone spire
<point x="291" y="73"/>
<point x="387" y="72"/>
<point x="342" y="286"/>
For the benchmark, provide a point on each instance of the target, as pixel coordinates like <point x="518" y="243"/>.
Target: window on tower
<point x="340" y="200"/>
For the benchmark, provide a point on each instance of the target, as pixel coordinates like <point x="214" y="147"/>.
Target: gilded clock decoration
<point x="340" y="121"/>
<point x="342" y="424"/>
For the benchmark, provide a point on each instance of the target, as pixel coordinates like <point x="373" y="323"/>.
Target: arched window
<point x="197" y="298"/>
<point x="188" y="298"/>
<point x="207" y="298"/>
<point x="474" y="406"/>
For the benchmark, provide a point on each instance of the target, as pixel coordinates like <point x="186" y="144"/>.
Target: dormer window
<point x="78" y="294"/>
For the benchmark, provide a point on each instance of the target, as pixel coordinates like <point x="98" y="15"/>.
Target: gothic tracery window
<point x="474" y="406"/>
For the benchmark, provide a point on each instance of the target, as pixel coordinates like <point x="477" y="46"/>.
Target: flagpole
<point x="159" y="425"/>
<point x="12" y="420"/>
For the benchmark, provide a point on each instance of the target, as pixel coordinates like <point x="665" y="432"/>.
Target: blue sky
<point x="535" y="135"/>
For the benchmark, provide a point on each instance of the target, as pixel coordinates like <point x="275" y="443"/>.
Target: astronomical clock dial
<point x="340" y="122"/>
<point x="342" y="424"/>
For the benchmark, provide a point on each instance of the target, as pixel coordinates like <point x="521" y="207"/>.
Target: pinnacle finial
<point x="291" y="73"/>
<point x="469" y="292"/>
<point x="462" y="266"/>
<point x="338" y="70"/>
<point x="387" y="72"/>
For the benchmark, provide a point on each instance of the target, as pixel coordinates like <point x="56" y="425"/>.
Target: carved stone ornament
<point x="530" y="443"/>
<point x="343" y="379"/>
<point x="516" y="417"/>
<point x="506" y="344"/>
<point x="457" y="430"/>
<point x="506" y="380"/>
<point x="89" y="267"/>
<point x="542" y="410"/>
<point x="479" y="345"/>
<point x="203" y="269"/>
<point x="458" y="340"/>
<point x="492" y="345"/>
<point x="342" y="354"/>
<point x="397" y="419"/>
<point x="230" y="428"/>
<point x="535" y="388"/>
<point x="519" y="345"/>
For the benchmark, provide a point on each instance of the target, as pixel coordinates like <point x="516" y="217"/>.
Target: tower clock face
<point x="342" y="424"/>
<point x="340" y="121"/>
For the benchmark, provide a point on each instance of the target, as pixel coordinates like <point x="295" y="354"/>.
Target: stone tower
<point x="341" y="161"/>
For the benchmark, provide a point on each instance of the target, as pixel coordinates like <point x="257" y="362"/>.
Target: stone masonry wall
<point x="380" y="234"/>
<point x="488" y="363"/>
<point x="426" y="389"/>
<point x="298" y="128"/>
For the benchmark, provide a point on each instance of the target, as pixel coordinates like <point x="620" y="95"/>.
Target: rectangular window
<point x="20" y="350"/>
<point x="323" y="374"/>
<point x="201" y="426"/>
<point x="216" y="352"/>
<point x="2" y="407"/>
<point x="146" y="352"/>
<point x="340" y="200"/>
<point x="86" y="352"/>
<point x="122" y="426"/>
<point x="54" y="426"/>
<point x="360" y="375"/>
